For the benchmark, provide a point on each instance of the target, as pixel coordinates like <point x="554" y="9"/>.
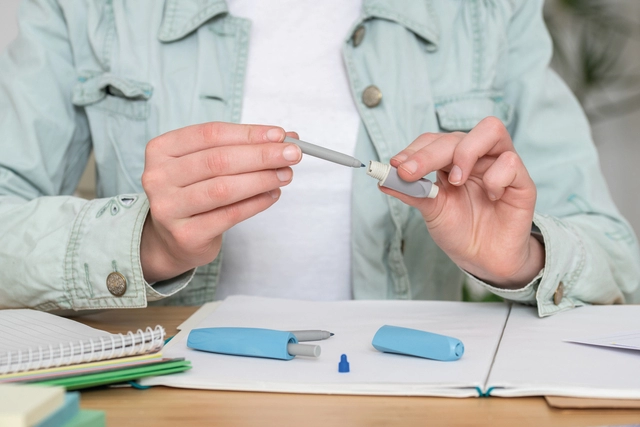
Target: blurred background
<point x="597" y="52"/>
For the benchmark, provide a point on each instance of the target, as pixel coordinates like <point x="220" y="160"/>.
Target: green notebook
<point x="87" y="418"/>
<point x="76" y="382"/>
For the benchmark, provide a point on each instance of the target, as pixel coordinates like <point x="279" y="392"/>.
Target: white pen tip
<point x="433" y="192"/>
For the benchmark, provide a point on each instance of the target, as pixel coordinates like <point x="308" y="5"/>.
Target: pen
<point x="311" y="335"/>
<point x="325" y="153"/>
<point x="253" y="342"/>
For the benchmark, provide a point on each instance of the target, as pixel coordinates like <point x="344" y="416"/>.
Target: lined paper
<point x="32" y="339"/>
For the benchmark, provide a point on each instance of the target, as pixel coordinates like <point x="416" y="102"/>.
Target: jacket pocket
<point x="118" y="110"/>
<point x="463" y="112"/>
<point x="114" y="94"/>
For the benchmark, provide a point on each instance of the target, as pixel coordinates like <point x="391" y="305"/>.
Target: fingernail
<point x="275" y="135"/>
<point x="274" y="194"/>
<point x="284" y="174"/>
<point x="411" y="166"/>
<point x="455" y="176"/>
<point x="400" y="158"/>
<point x="492" y="196"/>
<point x="291" y="152"/>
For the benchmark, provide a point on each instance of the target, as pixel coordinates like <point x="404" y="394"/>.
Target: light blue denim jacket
<point x="109" y="75"/>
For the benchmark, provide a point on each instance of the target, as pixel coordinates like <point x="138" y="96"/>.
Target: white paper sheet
<point x="628" y="340"/>
<point x="535" y="359"/>
<point x="354" y="323"/>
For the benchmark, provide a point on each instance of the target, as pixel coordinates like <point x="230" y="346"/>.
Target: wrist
<point x="157" y="262"/>
<point x="534" y="263"/>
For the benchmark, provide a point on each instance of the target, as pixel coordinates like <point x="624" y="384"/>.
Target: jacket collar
<point x="181" y="17"/>
<point x="419" y="17"/>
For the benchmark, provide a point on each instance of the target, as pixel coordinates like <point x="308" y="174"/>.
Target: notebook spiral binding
<point x="110" y="346"/>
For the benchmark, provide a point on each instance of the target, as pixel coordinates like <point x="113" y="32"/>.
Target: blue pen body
<point x="413" y="342"/>
<point x="253" y="342"/>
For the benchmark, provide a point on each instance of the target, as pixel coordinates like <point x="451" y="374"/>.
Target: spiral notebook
<point x="33" y="340"/>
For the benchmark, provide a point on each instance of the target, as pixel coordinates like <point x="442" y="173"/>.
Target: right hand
<point x="202" y="180"/>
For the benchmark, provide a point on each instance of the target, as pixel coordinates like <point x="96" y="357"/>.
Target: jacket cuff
<point x="524" y="295"/>
<point x="166" y="288"/>
<point x="102" y="260"/>
<point x="552" y="288"/>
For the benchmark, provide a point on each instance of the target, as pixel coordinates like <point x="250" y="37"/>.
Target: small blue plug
<point x="343" y="366"/>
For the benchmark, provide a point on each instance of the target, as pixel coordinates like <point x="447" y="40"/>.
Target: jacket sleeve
<point x="57" y="250"/>
<point x="591" y="251"/>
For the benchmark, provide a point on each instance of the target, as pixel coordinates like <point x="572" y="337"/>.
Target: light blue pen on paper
<point x="325" y="153"/>
<point x="252" y="342"/>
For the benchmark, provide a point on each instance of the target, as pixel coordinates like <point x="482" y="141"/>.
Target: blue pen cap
<point x="253" y="342"/>
<point x="413" y="342"/>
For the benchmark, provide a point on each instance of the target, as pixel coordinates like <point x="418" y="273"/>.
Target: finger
<point x="210" y="224"/>
<point x="293" y="135"/>
<point x="417" y="144"/>
<point x="482" y="165"/>
<point x="229" y="160"/>
<point x="431" y="157"/>
<point x="429" y="208"/>
<point x="222" y="191"/>
<point x="489" y="137"/>
<point x="508" y="179"/>
<point x="478" y="169"/>
<point x="199" y="137"/>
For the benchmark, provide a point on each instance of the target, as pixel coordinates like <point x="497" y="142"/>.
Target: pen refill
<point x="388" y="177"/>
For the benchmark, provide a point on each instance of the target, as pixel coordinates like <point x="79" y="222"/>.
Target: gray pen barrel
<point x="303" y="350"/>
<point x="421" y="188"/>
<point x="311" y="335"/>
<point x="388" y="177"/>
<point x="325" y="153"/>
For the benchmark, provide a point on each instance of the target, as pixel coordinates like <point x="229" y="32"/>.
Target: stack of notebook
<point x="44" y="406"/>
<point x="38" y="347"/>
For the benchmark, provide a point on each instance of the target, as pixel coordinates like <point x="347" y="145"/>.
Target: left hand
<point x="483" y="213"/>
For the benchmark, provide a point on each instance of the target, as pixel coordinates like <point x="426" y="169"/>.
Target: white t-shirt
<point x="300" y="247"/>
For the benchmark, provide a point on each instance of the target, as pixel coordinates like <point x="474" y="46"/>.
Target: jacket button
<point x="358" y="35"/>
<point x="116" y="284"/>
<point x="558" y="294"/>
<point x="371" y="96"/>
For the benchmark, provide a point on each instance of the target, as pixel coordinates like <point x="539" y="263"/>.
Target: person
<point x="163" y="93"/>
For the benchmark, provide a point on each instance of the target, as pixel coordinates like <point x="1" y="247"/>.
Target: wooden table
<point x="164" y="406"/>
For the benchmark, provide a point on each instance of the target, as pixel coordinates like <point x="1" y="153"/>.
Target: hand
<point x="202" y="180"/>
<point x="483" y="213"/>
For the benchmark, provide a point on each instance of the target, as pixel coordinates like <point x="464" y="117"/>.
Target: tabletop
<point x="165" y="406"/>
